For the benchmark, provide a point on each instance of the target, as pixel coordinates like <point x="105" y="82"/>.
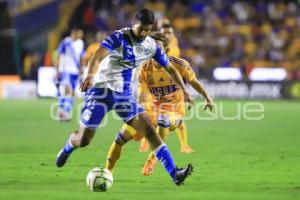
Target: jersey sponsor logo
<point x="147" y="52"/>
<point x="142" y="50"/>
<point x="150" y="80"/>
<point x="164" y="90"/>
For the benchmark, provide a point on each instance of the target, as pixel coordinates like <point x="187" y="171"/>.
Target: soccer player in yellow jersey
<point x="92" y="48"/>
<point x="165" y="105"/>
<point x="173" y="50"/>
<point x="168" y="31"/>
<point x="165" y="27"/>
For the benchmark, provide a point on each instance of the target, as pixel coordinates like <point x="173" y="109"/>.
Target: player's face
<point x="168" y="32"/>
<point x="140" y="30"/>
<point x="79" y="34"/>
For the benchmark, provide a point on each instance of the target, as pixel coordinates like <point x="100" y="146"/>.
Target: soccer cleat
<point x="187" y="149"/>
<point x="61" y="158"/>
<point x="149" y="167"/>
<point x="182" y="174"/>
<point x="144" y="147"/>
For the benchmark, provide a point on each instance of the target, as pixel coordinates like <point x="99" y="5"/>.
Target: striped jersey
<point x="70" y="51"/>
<point x="117" y="70"/>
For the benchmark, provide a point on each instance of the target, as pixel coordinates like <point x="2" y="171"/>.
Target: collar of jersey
<point x="133" y="37"/>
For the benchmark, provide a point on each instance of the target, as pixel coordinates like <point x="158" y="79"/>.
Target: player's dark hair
<point x="160" y="37"/>
<point x="76" y="27"/>
<point x="145" y="16"/>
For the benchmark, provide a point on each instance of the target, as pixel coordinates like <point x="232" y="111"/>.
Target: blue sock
<point x="68" y="104"/>
<point x="163" y="154"/>
<point x="68" y="148"/>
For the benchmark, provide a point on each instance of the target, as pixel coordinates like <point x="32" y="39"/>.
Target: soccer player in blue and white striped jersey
<point x="70" y="54"/>
<point x="108" y="87"/>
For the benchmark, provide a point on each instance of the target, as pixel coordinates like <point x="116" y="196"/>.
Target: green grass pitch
<point x="234" y="159"/>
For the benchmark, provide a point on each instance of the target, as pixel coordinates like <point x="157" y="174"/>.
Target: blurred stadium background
<point x="253" y="46"/>
<point x="247" y="50"/>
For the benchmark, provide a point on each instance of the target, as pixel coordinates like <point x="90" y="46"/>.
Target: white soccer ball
<point x="99" y="179"/>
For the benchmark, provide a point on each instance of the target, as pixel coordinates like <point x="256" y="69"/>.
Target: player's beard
<point x="140" y="38"/>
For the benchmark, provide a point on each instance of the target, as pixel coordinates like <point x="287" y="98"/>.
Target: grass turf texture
<point x="234" y="159"/>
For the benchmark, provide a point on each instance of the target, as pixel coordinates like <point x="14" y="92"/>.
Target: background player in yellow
<point x="173" y="50"/>
<point x="166" y="106"/>
<point x="92" y="48"/>
<point x="165" y="27"/>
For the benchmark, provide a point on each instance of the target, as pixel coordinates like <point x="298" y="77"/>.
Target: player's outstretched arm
<point x="178" y="79"/>
<point x="92" y="67"/>
<point x="200" y="89"/>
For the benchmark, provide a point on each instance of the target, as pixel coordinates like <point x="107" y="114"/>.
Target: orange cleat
<point x="144" y="147"/>
<point x="149" y="167"/>
<point x="187" y="149"/>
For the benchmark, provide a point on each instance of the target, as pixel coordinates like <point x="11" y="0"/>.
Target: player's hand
<point x="86" y="84"/>
<point x="188" y="99"/>
<point x="209" y="103"/>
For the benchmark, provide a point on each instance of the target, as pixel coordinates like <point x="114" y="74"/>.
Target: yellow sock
<point x="182" y="135"/>
<point x="151" y="156"/>
<point x="113" y="155"/>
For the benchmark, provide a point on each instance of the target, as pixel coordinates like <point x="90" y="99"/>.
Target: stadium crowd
<point x="212" y="33"/>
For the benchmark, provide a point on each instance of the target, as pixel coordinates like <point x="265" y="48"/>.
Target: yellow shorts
<point x="153" y="117"/>
<point x="169" y="120"/>
<point x="138" y="136"/>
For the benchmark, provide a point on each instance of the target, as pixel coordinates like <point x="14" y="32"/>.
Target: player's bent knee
<point x="164" y="121"/>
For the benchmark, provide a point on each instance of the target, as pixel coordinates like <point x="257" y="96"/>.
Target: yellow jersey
<point x="158" y="92"/>
<point x="174" y="47"/>
<point x="91" y="50"/>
